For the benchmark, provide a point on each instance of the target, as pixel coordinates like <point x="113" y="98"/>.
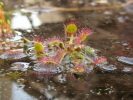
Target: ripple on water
<point x="13" y="54"/>
<point x="23" y="66"/>
<point x="47" y="69"/>
<point x="127" y="69"/>
<point x="126" y="60"/>
<point x="109" y="67"/>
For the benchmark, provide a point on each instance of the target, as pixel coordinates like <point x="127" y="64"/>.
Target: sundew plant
<point x="68" y="55"/>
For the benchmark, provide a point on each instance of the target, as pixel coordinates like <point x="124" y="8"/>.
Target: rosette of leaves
<point x="70" y="52"/>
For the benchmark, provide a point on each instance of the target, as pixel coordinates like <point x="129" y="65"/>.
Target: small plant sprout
<point x="15" y="75"/>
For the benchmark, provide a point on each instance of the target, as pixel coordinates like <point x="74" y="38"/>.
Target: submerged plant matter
<point x="14" y="75"/>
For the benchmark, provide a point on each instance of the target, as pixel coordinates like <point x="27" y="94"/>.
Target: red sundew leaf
<point x="71" y="21"/>
<point x="101" y="59"/>
<point x="53" y="41"/>
<point x="80" y="45"/>
<point x="38" y="40"/>
<point x="60" y="54"/>
<point x="83" y="33"/>
<point x="49" y="60"/>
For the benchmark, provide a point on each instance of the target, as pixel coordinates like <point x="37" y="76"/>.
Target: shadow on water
<point x="112" y="38"/>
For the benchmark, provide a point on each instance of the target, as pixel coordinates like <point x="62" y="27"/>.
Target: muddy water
<point x="112" y="38"/>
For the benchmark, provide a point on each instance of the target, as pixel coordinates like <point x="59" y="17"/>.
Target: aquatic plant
<point x="69" y="53"/>
<point x="15" y="75"/>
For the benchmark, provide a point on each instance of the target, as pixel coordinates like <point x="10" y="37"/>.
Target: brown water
<point x="113" y="38"/>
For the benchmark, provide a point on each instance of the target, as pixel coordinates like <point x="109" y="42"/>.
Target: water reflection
<point x="5" y="89"/>
<point x="12" y="91"/>
<point x="19" y="94"/>
<point x="20" y="21"/>
<point x="100" y="86"/>
<point x="35" y="19"/>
